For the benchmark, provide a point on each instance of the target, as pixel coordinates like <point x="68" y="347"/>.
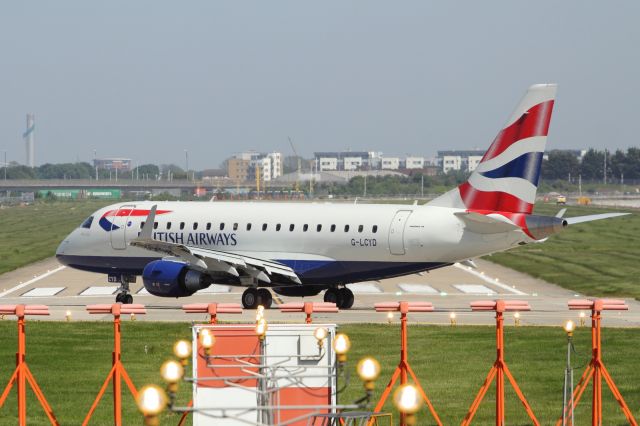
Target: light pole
<point x="95" y="163"/>
<point x="567" y="398"/>
<point x="5" y="165"/>
<point x="186" y="162"/>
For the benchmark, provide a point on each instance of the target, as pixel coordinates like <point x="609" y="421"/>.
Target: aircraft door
<point x="396" y="231"/>
<point x="119" y="225"/>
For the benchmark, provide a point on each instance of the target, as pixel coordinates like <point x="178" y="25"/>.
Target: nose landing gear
<point x="342" y="297"/>
<point x="124" y="293"/>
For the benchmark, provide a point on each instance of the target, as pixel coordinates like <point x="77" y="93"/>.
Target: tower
<point x="29" y="139"/>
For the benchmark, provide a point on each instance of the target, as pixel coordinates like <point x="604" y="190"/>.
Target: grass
<point x="33" y="232"/>
<point x="451" y="363"/>
<point x="597" y="258"/>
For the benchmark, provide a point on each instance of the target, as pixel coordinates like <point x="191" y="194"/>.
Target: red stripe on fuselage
<point x="475" y="199"/>
<point x="132" y="212"/>
<point x="535" y="122"/>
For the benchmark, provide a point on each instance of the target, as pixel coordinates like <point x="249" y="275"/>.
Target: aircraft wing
<point x="215" y="260"/>
<point x="482" y="224"/>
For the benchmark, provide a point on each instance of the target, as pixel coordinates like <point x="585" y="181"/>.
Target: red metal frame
<point x="404" y="369"/>
<point x="213" y="309"/>
<point x="309" y="308"/>
<point x="118" y="372"/>
<point x="499" y="368"/>
<point x="596" y="369"/>
<point x="22" y="374"/>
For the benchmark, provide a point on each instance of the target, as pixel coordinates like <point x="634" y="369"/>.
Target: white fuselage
<point x="324" y="243"/>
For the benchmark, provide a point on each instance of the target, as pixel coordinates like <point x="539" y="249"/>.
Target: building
<point x="120" y="164"/>
<point x="390" y="163"/>
<point x="414" y="163"/>
<point x="344" y="160"/>
<point x="466" y="160"/>
<point x="327" y="163"/>
<point x="243" y="166"/>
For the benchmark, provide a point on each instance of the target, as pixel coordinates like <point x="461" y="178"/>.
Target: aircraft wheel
<point x="333" y="295"/>
<point x="127" y="299"/>
<point x="265" y="297"/>
<point x="250" y="298"/>
<point x="119" y="298"/>
<point x="347" y="298"/>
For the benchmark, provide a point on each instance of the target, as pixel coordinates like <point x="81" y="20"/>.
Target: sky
<point x="148" y="80"/>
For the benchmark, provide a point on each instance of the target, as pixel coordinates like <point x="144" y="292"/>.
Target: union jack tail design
<point x="506" y="179"/>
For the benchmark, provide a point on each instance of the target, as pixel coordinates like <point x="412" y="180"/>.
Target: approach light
<point x="389" y="317"/>
<point x="68" y="316"/>
<point x="516" y="319"/>
<point x="452" y="318"/>
<point x="207" y="340"/>
<point x="569" y="326"/>
<point x="182" y="350"/>
<point x="368" y="369"/>
<point x="582" y="316"/>
<point x="261" y="328"/>
<point x="408" y="401"/>
<point x="132" y="316"/>
<point x="320" y="334"/>
<point x="341" y="344"/>
<point x="172" y="372"/>
<point x="259" y="313"/>
<point x="151" y="401"/>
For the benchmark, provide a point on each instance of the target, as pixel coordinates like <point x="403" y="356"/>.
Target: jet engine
<point x="541" y="227"/>
<point x="167" y="278"/>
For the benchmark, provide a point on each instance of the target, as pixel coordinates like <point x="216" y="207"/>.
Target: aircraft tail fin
<point x="506" y="179"/>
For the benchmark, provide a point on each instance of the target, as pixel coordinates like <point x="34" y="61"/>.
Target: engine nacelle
<point x="167" y="278"/>
<point x="299" y="291"/>
<point x="543" y="226"/>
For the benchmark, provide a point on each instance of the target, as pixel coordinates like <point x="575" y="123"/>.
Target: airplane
<point x="302" y="249"/>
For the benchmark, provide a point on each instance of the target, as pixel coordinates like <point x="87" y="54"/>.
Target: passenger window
<point x="278" y="226"/>
<point x="181" y="226"/>
<point x="305" y="227"/>
<point x="155" y="225"/>
<point x="346" y="228"/>
<point x="87" y="222"/>
<point x="318" y="228"/>
<point x="208" y="226"/>
<point x="235" y="226"/>
<point x="374" y="229"/>
<point x="292" y="227"/>
<point x="195" y="225"/>
<point x="168" y="225"/>
<point x="333" y="228"/>
<point x="248" y="227"/>
<point x="264" y="226"/>
<point x="222" y="226"/>
<point x="360" y="228"/>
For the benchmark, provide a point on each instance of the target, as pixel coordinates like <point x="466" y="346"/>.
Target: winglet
<point x="147" y="229"/>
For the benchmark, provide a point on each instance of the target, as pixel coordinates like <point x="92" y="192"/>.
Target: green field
<point x="31" y="233"/>
<point x="597" y="258"/>
<point x="70" y="361"/>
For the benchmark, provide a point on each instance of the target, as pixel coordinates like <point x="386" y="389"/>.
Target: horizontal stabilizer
<point x="482" y="224"/>
<point x="589" y="218"/>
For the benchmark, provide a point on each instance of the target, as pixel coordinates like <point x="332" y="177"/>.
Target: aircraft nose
<point x="61" y="250"/>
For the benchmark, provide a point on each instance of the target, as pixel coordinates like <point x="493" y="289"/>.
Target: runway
<point x="450" y="289"/>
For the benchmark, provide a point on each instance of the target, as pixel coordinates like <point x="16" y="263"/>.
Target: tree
<point x="592" y="165"/>
<point x="559" y="165"/>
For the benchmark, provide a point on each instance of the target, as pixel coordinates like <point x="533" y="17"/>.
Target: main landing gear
<point x="252" y="297"/>
<point x="342" y="297"/>
<point x="124" y="294"/>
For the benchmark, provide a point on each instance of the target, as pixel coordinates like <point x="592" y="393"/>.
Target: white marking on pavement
<point x="364" y="287"/>
<point x="99" y="291"/>
<point x="43" y="291"/>
<point x="490" y="280"/>
<point x="417" y="288"/>
<point x="33" y="280"/>
<point x="474" y="289"/>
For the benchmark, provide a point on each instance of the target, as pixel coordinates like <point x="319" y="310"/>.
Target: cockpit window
<point x="87" y="223"/>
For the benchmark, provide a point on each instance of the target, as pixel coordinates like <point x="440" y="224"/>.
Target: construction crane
<point x="293" y="148"/>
